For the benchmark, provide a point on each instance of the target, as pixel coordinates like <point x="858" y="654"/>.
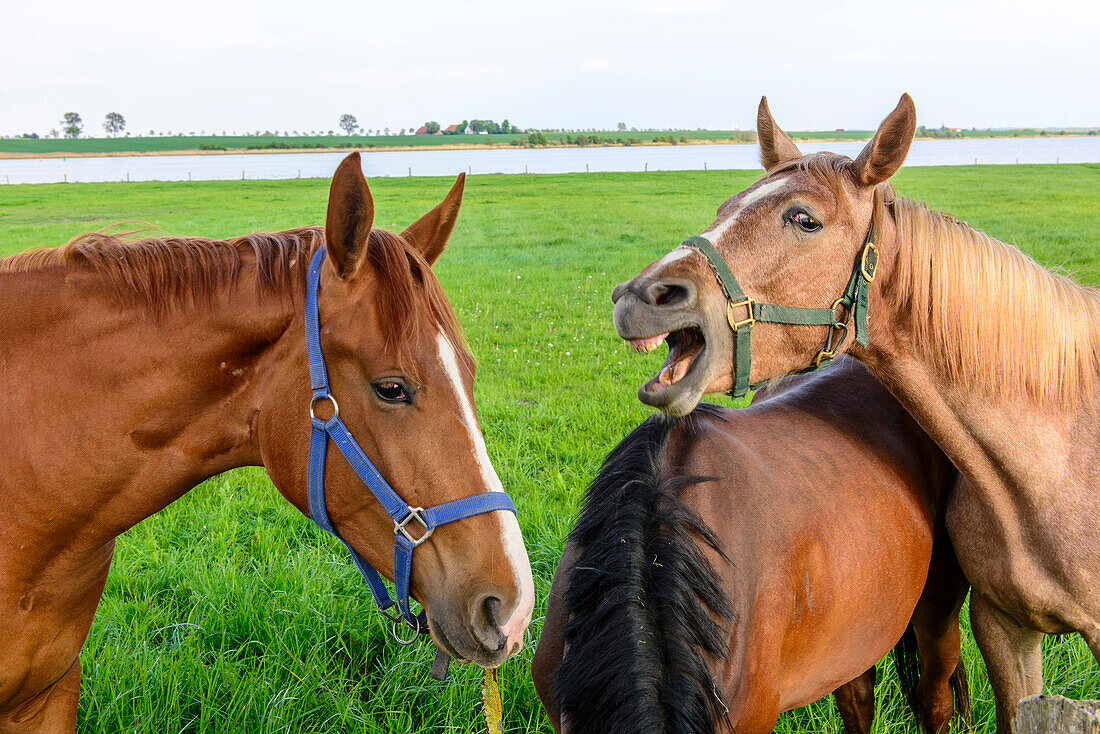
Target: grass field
<point x="229" y="611"/>
<point x="155" y="144"/>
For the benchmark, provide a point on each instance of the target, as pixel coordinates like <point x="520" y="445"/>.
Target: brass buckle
<point x="414" y="514"/>
<point x="869" y="277"/>
<point x="734" y="323"/>
<point x="822" y="356"/>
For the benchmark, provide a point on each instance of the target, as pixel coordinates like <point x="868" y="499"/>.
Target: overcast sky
<point x="219" y="65"/>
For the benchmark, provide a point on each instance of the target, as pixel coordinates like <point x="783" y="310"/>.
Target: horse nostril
<point x="619" y="291"/>
<point x="667" y="294"/>
<point x="485" y="622"/>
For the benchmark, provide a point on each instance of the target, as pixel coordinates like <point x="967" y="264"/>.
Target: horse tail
<point x="643" y="604"/>
<point x="907" y="665"/>
<point x="960" y="685"/>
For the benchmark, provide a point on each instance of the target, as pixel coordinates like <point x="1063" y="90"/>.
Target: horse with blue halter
<point x="730" y="565"/>
<point x="156" y="363"/>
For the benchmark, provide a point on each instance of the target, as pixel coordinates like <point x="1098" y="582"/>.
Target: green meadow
<point x="230" y="611"/>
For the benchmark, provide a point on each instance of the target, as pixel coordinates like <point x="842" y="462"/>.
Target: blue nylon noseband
<point x="402" y="514"/>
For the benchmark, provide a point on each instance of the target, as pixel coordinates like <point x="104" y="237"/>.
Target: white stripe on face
<point x="749" y="198"/>
<point x="511" y="538"/>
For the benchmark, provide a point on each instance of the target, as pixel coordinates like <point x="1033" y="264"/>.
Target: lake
<point x="954" y="152"/>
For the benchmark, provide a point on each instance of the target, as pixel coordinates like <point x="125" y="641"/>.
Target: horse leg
<point x="1013" y="658"/>
<point x="942" y="690"/>
<point x="855" y="701"/>
<point x="52" y="711"/>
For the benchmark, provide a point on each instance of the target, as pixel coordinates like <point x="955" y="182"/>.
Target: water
<point x="432" y="162"/>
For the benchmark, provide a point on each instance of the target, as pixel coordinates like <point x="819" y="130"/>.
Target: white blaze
<point x="720" y="228"/>
<point x="511" y="538"/>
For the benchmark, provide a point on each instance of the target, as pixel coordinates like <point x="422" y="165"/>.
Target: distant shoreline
<point x="455" y="146"/>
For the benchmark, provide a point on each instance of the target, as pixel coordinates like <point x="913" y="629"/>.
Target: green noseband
<point x="742" y="312"/>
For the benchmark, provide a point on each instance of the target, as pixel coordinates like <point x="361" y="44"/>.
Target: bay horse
<point x="134" y="370"/>
<point x="996" y="358"/>
<point x="734" y="564"/>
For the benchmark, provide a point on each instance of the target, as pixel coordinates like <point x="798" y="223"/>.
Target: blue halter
<point x="403" y="515"/>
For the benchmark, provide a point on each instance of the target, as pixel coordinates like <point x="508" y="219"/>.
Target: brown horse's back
<point x="825" y="499"/>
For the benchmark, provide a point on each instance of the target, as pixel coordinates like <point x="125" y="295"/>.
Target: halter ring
<point x="397" y="623"/>
<point x="328" y="397"/>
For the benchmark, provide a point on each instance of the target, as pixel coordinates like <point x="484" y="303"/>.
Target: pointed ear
<point x="429" y="233"/>
<point x="775" y="145"/>
<point x="350" y="215"/>
<point x="882" y="157"/>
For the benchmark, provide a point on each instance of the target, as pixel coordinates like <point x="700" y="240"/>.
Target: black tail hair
<point x="907" y="665"/>
<point x="642" y="602"/>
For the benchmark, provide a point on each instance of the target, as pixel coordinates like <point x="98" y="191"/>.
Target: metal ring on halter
<point x="847" y="307"/>
<point x="328" y="397"/>
<point x="401" y="641"/>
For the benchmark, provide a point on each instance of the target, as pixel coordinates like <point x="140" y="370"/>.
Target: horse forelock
<point x="411" y="304"/>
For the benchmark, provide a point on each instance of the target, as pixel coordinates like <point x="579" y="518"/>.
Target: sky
<point x="223" y="65"/>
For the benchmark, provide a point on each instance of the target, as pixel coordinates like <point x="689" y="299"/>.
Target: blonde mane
<point x="991" y="317"/>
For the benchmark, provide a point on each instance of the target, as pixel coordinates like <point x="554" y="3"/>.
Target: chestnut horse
<point x="996" y="358"/>
<point x="738" y="563"/>
<point x="135" y="370"/>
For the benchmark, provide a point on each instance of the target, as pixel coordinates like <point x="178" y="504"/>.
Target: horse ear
<point x="350" y="215"/>
<point x="775" y="145"/>
<point x="429" y="233"/>
<point x="882" y="157"/>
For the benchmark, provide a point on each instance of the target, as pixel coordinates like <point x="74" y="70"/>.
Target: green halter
<point x="742" y="312"/>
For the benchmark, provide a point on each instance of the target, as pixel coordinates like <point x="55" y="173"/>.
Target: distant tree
<point x="114" y="123"/>
<point x="505" y="126"/>
<point x="53" y="133"/>
<point x="348" y="123"/>
<point x="402" y="131"/>
<point x="431" y="127"/>
<point x="621" y="127"/>
<point x="537" y="139"/>
<point x="72" y="125"/>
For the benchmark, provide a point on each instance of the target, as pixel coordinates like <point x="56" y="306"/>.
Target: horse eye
<point x="805" y="222"/>
<point x="391" y="391"/>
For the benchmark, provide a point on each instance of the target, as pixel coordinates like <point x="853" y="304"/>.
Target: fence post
<point x="1056" y="715"/>
<point x="647" y="165"/>
<point x="242" y="175"/>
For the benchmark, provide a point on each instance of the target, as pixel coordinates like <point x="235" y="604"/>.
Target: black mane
<point x="641" y="605"/>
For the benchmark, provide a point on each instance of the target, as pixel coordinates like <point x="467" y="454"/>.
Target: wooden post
<point x="1056" y="715"/>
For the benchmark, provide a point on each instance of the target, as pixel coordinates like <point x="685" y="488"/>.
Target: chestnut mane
<point x="166" y="274"/>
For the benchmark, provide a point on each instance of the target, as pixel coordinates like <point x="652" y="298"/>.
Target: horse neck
<point x="983" y="347"/>
<point x="137" y="409"/>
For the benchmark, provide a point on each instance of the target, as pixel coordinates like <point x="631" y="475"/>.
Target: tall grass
<point x="229" y="611"/>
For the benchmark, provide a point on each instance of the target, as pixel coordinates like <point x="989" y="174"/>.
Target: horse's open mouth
<point x="684" y="348"/>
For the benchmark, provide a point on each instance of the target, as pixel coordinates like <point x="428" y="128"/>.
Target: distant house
<point x="422" y="130"/>
<point x="454" y="129"/>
